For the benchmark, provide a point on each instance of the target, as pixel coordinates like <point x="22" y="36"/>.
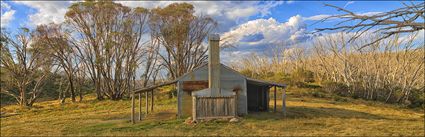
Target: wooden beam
<point x="194" y="110"/>
<point x="132" y="109"/>
<point x="179" y="100"/>
<point x="274" y="110"/>
<point x="152" y="97"/>
<point x="147" y="102"/>
<point x="267" y="92"/>
<point x="284" y="103"/>
<point x="140" y="106"/>
<point x="215" y="117"/>
<point x="147" y="89"/>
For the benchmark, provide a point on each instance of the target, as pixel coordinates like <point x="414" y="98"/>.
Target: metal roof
<point x="262" y="82"/>
<point x="256" y="81"/>
<point x="146" y="89"/>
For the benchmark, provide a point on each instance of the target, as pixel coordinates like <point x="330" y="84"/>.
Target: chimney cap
<point x="214" y="37"/>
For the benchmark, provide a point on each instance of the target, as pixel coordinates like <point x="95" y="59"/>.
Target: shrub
<point x="302" y="75"/>
<point x="300" y="84"/>
<point x="318" y="94"/>
<point x="280" y="77"/>
<point x="335" y="88"/>
<point x="338" y="98"/>
<point x="417" y="99"/>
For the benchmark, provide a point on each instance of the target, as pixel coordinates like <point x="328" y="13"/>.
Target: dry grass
<point x="306" y="116"/>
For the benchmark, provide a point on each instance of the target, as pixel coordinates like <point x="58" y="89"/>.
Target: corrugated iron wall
<point x="229" y="81"/>
<point x="213" y="107"/>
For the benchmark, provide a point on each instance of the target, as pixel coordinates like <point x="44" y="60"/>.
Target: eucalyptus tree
<point x="111" y="39"/>
<point x="181" y="35"/>
<point x="22" y="59"/>
<point x="54" y="41"/>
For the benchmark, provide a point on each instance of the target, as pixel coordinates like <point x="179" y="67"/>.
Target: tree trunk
<point x="23" y="101"/>
<point x="81" y="95"/>
<point x="71" y="89"/>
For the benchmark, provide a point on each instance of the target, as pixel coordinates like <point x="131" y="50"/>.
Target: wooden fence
<point x="214" y="107"/>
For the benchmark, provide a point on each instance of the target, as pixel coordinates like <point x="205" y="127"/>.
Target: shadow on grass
<point x="122" y="123"/>
<point x="4" y="115"/>
<point x="310" y="112"/>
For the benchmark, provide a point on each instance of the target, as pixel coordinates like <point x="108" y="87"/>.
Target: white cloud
<point x="265" y="9"/>
<point x="417" y="37"/>
<point x="47" y="11"/>
<point x="4" y="5"/>
<point x="215" y="8"/>
<point x="226" y="13"/>
<point x="241" y="13"/>
<point x="231" y="57"/>
<point x="7" y="14"/>
<point x="317" y="17"/>
<point x="273" y="32"/>
<point x="348" y="3"/>
<point x="290" y="1"/>
<point x="323" y="16"/>
<point x="370" y="13"/>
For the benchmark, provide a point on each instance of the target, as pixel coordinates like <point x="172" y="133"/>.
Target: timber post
<point x="179" y="100"/>
<point x="140" y="106"/>
<point x="284" y="103"/>
<point x="152" y="97"/>
<point x="274" y="110"/>
<point x="147" y="102"/>
<point x="132" y="108"/>
<point x="194" y="108"/>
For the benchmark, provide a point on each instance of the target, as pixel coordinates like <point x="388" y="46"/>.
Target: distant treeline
<point x="391" y="70"/>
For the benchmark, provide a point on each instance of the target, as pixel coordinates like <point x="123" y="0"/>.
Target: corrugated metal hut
<point x="215" y="90"/>
<point x="252" y="94"/>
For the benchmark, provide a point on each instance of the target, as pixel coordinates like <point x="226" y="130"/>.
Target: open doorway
<point x="257" y="97"/>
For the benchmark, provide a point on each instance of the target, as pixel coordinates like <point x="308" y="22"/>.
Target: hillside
<point x="306" y="116"/>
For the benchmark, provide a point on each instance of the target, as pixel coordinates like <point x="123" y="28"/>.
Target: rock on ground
<point x="234" y="120"/>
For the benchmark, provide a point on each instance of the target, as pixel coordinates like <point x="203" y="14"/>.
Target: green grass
<point x="306" y="116"/>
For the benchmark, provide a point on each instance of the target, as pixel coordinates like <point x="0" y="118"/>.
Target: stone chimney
<point x="214" y="64"/>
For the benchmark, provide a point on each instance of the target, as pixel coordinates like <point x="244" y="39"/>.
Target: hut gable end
<point x="201" y="73"/>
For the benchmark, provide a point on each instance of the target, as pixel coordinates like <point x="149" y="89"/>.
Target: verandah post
<point x="132" y="108"/>
<point x="284" y="102"/>
<point x="194" y="108"/>
<point x="147" y="102"/>
<point x="140" y="106"/>
<point x="179" y="101"/>
<point x="274" y="110"/>
<point x="152" y="97"/>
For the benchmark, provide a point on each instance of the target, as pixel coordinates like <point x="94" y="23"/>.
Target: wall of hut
<point x="198" y="79"/>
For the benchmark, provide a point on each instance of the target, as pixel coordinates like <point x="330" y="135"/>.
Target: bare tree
<point x="390" y="70"/>
<point x="182" y="35"/>
<point x="110" y="37"/>
<point x="407" y="19"/>
<point x="150" y="62"/>
<point x="377" y="72"/>
<point x="54" y="41"/>
<point x="26" y="64"/>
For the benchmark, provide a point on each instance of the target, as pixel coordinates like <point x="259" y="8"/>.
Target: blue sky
<point x="282" y="12"/>
<point x="254" y="26"/>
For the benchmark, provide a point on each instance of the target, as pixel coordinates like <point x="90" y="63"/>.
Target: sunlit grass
<point x="305" y="116"/>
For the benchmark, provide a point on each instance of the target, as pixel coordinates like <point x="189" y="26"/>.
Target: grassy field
<point x="306" y="116"/>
